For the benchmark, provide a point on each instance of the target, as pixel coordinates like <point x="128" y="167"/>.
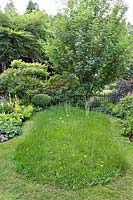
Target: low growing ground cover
<point x="12" y="116"/>
<point x="68" y="147"/>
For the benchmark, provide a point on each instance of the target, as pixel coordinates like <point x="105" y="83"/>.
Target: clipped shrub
<point x="41" y="100"/>
<point x="23" y="80"/>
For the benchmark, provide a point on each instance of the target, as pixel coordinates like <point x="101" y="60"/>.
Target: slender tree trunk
<point x="3" y="66"/>
<point x="87" y="103"/>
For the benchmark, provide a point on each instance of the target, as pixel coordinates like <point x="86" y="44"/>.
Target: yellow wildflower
<point x="85" y="156"/>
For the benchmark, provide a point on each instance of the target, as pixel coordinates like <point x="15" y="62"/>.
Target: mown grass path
<point x="14" y="187"/>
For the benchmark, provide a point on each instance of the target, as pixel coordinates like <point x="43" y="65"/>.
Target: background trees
<point x="10" y="9"/>
<point x="22" y="36"/>
<point x="32" y="7"/>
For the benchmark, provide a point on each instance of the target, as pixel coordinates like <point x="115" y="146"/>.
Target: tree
<point x="10" y="9"/>
<point x="34" y="23"/>
<point x="22" y="37"/>
<point x="32" y="7"/>
<point x="91" y="41"/>
<point x="5" y="21"/>
<point x="18" y="44"/>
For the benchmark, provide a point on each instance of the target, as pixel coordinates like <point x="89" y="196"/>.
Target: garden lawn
<point x="14" y="186"/>
<point x="68" y="147"/>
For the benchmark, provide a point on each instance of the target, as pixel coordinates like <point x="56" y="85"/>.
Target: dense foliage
<point x="65" y="88"/>
<point x="91" y="41"/>
<point x="12" y="114"/>
<point x="22" y="37"/>
<point x="6" y="107"/>
<point x="124" y="110"/>
<point x="41" y="100"/>
<point x="23" y="79"/>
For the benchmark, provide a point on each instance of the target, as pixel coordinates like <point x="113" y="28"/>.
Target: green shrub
<point x="24" y="111"/>
<point x="10" y="124"/>
<point x="65" y="88"/>
<point x="23" y="80"/>
<point x="107" y="107"/>
<point x="128" y="126"/>
<point x="41" y="100"/>
<point x="68" y="147"/>
<point x="125" y="108"/>
<point x="6" y="107"/>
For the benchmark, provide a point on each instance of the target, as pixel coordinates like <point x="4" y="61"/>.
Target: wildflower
<point x="101" y="165"/>
<point x="85" y="156"/>
<point x="67" y="115"/>
<point x="59" y="163"/>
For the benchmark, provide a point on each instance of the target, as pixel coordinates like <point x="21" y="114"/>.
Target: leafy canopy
<point x="23" y="37"/>
<point x="90" y="40"/>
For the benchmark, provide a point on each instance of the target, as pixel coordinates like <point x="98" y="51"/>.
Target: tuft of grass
<point x="68" y="147"/>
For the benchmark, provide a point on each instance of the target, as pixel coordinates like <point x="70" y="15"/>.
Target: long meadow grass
<point x="68" y="147"/>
